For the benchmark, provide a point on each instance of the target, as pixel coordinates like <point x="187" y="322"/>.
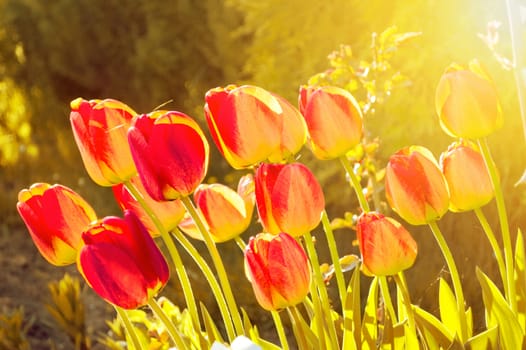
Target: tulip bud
<point x="55" y="216"/>
<point x="278" y="269"/>
<point x="334" y="120"/>
<point x="386" y="246"/>
<point x="250" y="125"/>
<point x="121" y="262"/>
<point x="170" y="152"/>
<point x="467" y="102"/>
<point x="170" y="213"/>
<point x="467" y="177"/>
<point x="288" y="198"/>
<point x="414" y="186"/>
<point x="99" y="128"/>
<point x="227" y="213"/>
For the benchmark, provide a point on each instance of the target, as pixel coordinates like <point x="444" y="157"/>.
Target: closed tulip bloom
<point x="55" y="216"/>
<point x="250" y="125"/>
<point x="415" y="187"/>
<point x="467" y="177"/>
<point x="121" y="262"/>
<point x="334" y="120"/>
<point x="467" y="102"/>
<point x="99" y="128"/>
<point x="385" y="245"/>
<point x="288" y="198"/>
<point x="170" y="152"/>
<point x="170" y="213"/>
<point x="227" y="213"/>
<point x="278" y="269"/>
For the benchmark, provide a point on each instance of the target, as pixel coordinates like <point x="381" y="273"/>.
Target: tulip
<point x="250" y="125"/>
<point x="170" y="213"/>
<point x="467" y="103"/>
<point x="99" y="128"/>
<point x="170" y="152"/>
<point x="415" y="187"/>
<point x="334" y="120"/>
<point x="288" y="198"/>
<point x="278" y="269"/>
<point x="121" y="262"/>
<point x="467" y="177"/>
<point x="55" y="216"/>
<point x="227" y="213"/>
<point x="385" y="245"/>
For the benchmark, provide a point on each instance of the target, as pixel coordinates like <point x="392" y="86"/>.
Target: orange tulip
<point x="278" y="269"/>
<point x="385" y="245"/>
<point x="55" y="216"/>
<point x="171" y="153"/>
<point x="467" y="177"/>
<point x="288" y="198"/>
<point x="99" y="128"/>
<point x="227" y="213"/>
<point x="121" y="262"/>
<point x="170" y="213"/>
<point x="250" y="125"/>
<point x="334" y="120"/>
<point x="414" y="186"/>
<point x="467" y="102"/>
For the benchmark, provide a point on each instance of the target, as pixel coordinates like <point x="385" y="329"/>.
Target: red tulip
<point x="467" y="177"/>
<point x="415" y="187"/>
<point x="121" y="262"/>
<point x="227" y="213"/>
<point x="171" y="153"/>
<point x="170" y="213"/>
<point x="334" y="120"/>
<point x="250" y="125"/>
<point x="278" y="269"/>
<point x="386" y="246"/>
<point x="467" y="102"/>
<point x="288" y="198"/>
<point x="99" y="128"/>
<point x="55" y="217"/>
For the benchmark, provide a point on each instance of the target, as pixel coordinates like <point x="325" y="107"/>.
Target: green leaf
<point x="210" y="327"/>
<point x="486" y="340"/>
<point x="352" y="314"/>
<point x="498" y="313"/>
<point x="435" y="333"/>
<point x="520" y="279"/>
<point x="449" y="314"/>
<point x="370" y="321"/>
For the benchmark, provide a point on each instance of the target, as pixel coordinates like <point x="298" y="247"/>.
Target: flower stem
<point x="129" y="327"/>
<point x="174" y="254"/>
<point x="400" y="283"/>
<point x="172" y="331"/>
<point x="455" y="277"/>
<point x="494" y="245"/>
<point x="355" y="184"/>
<point x="504" y="227"/>
<point x="240" y="243"/>
<point x="218" y="263"/>
<point x="335" y="256"/>
<point x="214" y="285"/>
<point x="384" y="287"/>
<point x="281" y="330"/>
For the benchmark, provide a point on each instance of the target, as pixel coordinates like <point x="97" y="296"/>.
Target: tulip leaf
<point x="498" y="312"/>
<point x="370" y="320"/>
<point x="434" y="333"/>
<point x="302" y="330"/>
<point x="520" y="279"/>
<point x="449" y="314"/>
<point x="485" y="340"/>
<point x="393" y="335"/>
<point x="352" y="314"/>
<point x="210" y="327"/>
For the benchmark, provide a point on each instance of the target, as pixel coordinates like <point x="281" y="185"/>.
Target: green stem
<point x="218" y="263"/>
<point x="494" y="245"/>
<point x="322" y="290"/>
<point x="170" y="327"/>
<point x="214" y="285"/>
<point x="455" y="277"/>
<point x="174" y="254"/>
<point x="400" y="283"/>
<point x="355" y="184"/>
<point x="384" y="287"/>
<point x="504" y="226"/>
<point x="281" y="330"/>
<point x="129" y="327"/>
<point x="335" y="256"/>
<point x="240" y="243"/>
